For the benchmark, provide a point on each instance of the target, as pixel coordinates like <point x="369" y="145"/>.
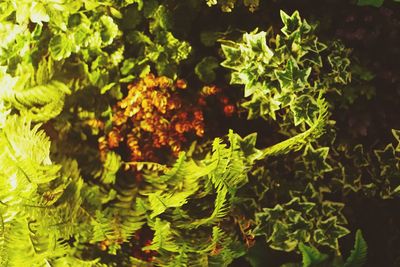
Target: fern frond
<point x="115" y="225"/>
<point x="27" y="239"/>
<point x="163" y="237"/>
<point x="41" y="102"/>
<point x="298" y="141"/>
<point x="111" y="167"/>
<point x="25" y="162"/>
<point x="358" y="256"/>
<point x="221" y="209"/>
<point x="227" y="164"/>
<point x="311" y="256"/>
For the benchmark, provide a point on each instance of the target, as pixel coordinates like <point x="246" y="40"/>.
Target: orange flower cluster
<point x="214" y="91"/>
<point x="152" y="116"/>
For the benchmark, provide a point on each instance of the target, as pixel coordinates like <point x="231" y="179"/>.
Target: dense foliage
<point x="177" y="133"/>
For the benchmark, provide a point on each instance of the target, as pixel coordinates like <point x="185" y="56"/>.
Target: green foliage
<point x="64" y="64"/>
<point x="111" y="167"/>
<point x="284" y="75"/>
<point x="159" y="48"/>
<point x="298" y="221"/>
<point x="183" y="187"/>
<point x="38" y="197"/>
<point x="357" y="258"/>
<point x="358" y="255"/>
<point x="311" y="256"/>
<point x="205" y="69"/>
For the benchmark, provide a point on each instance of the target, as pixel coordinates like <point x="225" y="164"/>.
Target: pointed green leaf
<point x="311" y="255"/>
<point x="358" y="256"/>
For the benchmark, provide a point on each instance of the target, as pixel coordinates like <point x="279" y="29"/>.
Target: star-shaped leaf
<point x="298" y="205"/>
<point x="359" y="158"/>
<point x="312" y="51"/>
<point x="329" y="232"/>
<point x="396" y="134"/>
<point x="258" y="44"/>
<point x="387" y="159"/>
<point x="291" y="23"/>
<point x="305" y="108"/>
<point x="315" y="159"/>
<point x="234" y="58"/>
<point x="248" y="146"/>
<point x="292" y="77"/>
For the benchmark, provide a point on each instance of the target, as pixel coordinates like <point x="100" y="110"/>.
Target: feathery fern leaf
<point x="311" y="256"/>
<point x="221" y="209"/>
<point x="298" y="141"/>
<point x="163" y="237"/>
<point x="41" y="102"/>
<point x="358" y="255"/>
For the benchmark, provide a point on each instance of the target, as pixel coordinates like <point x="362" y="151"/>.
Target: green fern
<point x="358" y="255"/>
<point x="311" y="256"/>
<point x="41" y="102"/>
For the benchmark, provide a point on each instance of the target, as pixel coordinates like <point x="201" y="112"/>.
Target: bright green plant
<point x="64" y="63"/>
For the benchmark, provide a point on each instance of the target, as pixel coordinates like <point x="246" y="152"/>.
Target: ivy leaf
<point x="292" y="77"/>
<point x="359" y="158"/>
<point x="268" y="109"/>
<point x="313" y="51"/>
<point x="253" y="106"/>
<point x="311" y="255"/>
<point x="279" y="238"/>
<point x="340" y="63"/>
<point x="387" y="159"/>
<point x="316" y="159"/>
<point x="291" y="23"/>
<point x="329" y="232"/>
<point x="396" y="134"/>
<point x="305" y="108"/>
<point x="247" y="145"/>
<point x="257" y="106"/>
<point x="257" y="42"/>
<point x="205" y="69"/>
<point x="233" y="55"/>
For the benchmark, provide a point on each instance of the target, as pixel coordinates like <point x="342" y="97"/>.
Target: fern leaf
<point x="41" y="102"/>
<point x="311" y="256"/>
<point x="358" y="256"/>
<point x="163" y="237"/>
<point x="111" y="167"/>
<point x="221" y="209"/>
<point x="296" y="142"/>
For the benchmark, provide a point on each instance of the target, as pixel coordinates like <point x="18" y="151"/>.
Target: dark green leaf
<point x="311" y="255"/>
<point x="358" y="256"/>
